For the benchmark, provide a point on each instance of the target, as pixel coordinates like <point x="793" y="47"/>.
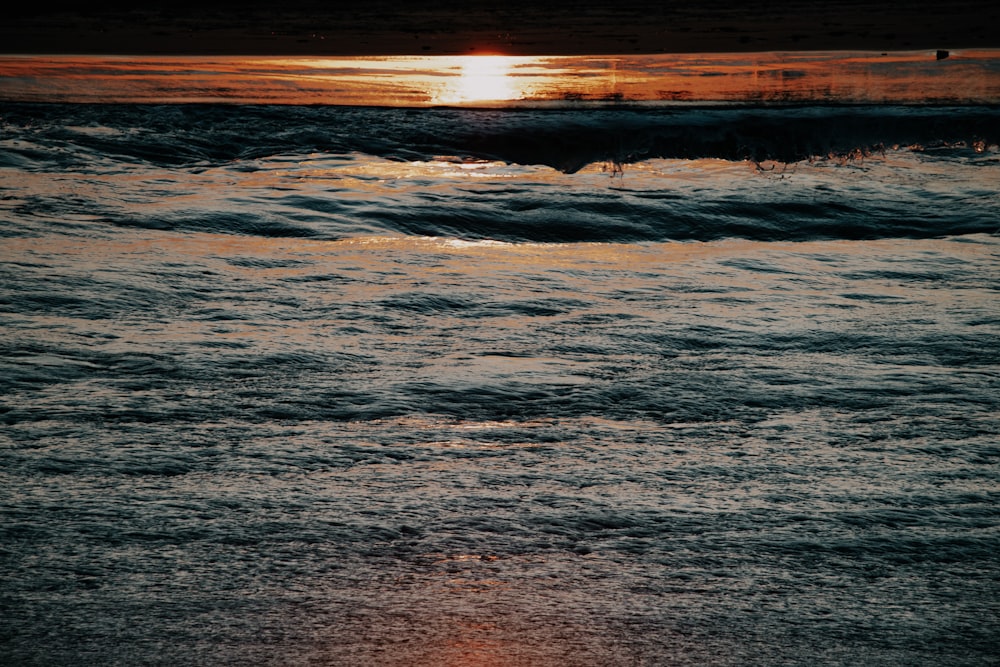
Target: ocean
<point x="575" y="384"/>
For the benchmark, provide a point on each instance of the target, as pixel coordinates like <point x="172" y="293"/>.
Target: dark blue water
<point x="341" y="386"/>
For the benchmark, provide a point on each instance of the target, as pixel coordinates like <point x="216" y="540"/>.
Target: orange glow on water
<point x="482" y="78"/>
<point x="912" y="77"/>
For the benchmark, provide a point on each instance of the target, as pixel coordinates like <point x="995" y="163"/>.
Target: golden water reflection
<point x="420" y="81"/>
<point x="483" y="79"/>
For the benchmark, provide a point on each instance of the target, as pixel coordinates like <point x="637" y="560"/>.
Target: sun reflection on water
<point x="488" y="80"/>
<point x="485" y="79"/>
<point x="482" y="79"/>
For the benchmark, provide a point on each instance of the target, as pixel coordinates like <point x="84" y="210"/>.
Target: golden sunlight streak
<point x="482" y="79"/>
<point x="420" y="81"/>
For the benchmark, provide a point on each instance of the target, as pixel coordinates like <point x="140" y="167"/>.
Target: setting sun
<point x="482" y="79"/>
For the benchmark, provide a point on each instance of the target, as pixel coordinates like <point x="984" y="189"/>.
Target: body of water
<point x="604" y="386"/>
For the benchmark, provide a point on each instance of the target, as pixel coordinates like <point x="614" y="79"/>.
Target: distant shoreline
<point x="518" y="27"/>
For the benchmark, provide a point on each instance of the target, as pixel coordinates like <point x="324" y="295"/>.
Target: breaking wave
<point x="507" y="175"/>
<point x="566" y="140"/>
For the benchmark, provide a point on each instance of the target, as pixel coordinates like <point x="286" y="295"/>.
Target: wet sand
<point x="515" y="27"/>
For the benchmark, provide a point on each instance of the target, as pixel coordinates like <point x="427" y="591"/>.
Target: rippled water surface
<point x="349" y="387"/>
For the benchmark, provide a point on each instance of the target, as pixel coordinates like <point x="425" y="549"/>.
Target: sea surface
<point x="621" y="385"/>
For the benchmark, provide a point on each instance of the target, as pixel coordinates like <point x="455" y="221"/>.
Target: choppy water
<point x="444" y="387"/>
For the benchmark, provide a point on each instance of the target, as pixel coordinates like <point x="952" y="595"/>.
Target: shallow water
<point x="279" y="395"/>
